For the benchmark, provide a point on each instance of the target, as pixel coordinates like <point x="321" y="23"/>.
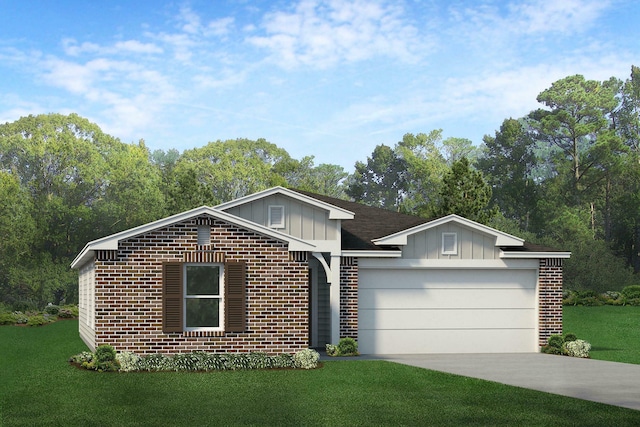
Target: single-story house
<point x="282" y="270"/>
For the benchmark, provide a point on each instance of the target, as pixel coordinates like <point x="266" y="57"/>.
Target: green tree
<point x="302" y="174"/>
<point x="628" y="116"/>
<point x="425" y="168"/>
<point x="224" y="170"/>
<point x="507" y="163"/>
<point x="456" y="148"/>
<point x="578" y="114"/>
<point x="75" y="184"/>
<point x="465" y="193"/>
<point x="380" y="182"/>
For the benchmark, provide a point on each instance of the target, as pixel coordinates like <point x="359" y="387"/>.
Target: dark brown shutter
<point x="235" y="275"/>
<point x="172" y="297"/>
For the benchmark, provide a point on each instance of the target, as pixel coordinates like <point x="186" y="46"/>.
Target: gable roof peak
<point x="400" y="238"/>
<point x="335" y="212"/>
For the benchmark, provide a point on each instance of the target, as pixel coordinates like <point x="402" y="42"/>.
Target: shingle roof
<point x="369" y="223"/>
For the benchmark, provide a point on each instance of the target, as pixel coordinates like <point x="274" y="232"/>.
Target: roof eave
<point x="111" y="242"/>
<point x="529" y="255"/>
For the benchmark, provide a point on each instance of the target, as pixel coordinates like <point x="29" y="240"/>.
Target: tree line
<point x="566" y="175"/>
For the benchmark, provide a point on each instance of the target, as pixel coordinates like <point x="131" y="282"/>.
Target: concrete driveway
<point x="606" y="382"/>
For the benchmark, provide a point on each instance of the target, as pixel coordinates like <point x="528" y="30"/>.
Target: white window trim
<point x="220" y="327"/>
<point x="281" y="223"/>
<point x="453" y="251"/>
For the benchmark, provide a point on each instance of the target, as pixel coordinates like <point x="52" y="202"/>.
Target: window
<point x="276" y="216"/>
<point x="203" y="290"/>
<point x="449" y="244"/>
<point x="196" y="296"/>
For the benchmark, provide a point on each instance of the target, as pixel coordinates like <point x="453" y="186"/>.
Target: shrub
<point x="21" y="318"/>
<point x="331" y="349"/>
<point x="85" y="356"/>
<point x="577" y="348"/>
<point x="128" y="361"/>
<point x="105" y="359"/>
<point x="631" y="292"/>
<point x="52" y="309"/>
<point x="38" y="320"/>
<point x="348" y="347"/>
<point x="8" y="319"/>
<point x="555" y="341"/>
<point x="105" y="353"/>
<point x="156" y="362"/>
<point x="185" y="362"/>
<point x="306" y="359"/>
<point x="68" y="312"/>
<point x="570" y="337"/>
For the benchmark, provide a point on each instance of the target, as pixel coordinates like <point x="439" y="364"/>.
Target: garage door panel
<point x="446" y="341"/>
<point x="446" y="298"/>
<point x="447" y="319"/>
<point x="434" y="279"/>
<point x="447" y="310"/>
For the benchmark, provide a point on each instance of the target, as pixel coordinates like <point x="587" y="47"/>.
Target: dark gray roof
<point x="370" y="223"/>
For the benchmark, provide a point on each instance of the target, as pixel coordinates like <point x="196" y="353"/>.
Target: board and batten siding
<point x="471" y="244"/>
<point x="301" y="220"/>
<point x="86" y="306"/>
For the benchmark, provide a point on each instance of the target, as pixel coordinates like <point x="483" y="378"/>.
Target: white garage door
<point x="409" y="311"/>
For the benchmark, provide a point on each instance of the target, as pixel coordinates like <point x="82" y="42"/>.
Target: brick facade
<point x="349" y="298"/>
<point x="128" y="291"/>
<point x="550" y="299"/>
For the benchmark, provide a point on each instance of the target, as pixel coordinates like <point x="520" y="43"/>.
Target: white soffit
<point x="335" y="212"/>
<point x="400" y="238"/>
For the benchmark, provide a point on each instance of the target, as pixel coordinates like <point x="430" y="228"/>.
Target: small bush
<point x="128" y="361"/>
<point x="105" y="353"/>
<point x="85" y="356"/>
<point x="38" y="320"/>
<point x="306" y="359"/>
<point x="631" y="292"/>
<point x="21" y="318"/>
<point x="348" y="347"/>
<point x="156" y="362"/>
<point x="331" y="349"/>
<point x="577" y="348"/>
<point x="68" y="312"/>
<point x="8" y="318"/>
<point x="52" y="309"/>
<point x="555" y="341"/>
<point x="568" y="337"/>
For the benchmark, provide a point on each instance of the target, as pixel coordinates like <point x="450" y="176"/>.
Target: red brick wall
<point x="128" y="292"/>
<point x="550" y="289"/>
<point x="349" y="298"/>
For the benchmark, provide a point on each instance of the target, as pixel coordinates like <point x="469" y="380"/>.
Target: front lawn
<point x="38" y="388"/>
<point x="613" y="331"/>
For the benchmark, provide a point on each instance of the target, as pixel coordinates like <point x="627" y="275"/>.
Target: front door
<point x="319" y="306"/>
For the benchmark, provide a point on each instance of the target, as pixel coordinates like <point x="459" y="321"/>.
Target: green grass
<point x="39" y="388"/>
<point x="613" y="331"/>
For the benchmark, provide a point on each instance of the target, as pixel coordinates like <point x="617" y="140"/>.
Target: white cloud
<point x="566" y="16"/>
<point x="72" y="48"/>
<point x="324" y="33"/>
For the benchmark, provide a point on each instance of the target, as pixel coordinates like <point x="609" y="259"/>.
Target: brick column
<point x="550" y="299"/>
<point x="349" y="298"/>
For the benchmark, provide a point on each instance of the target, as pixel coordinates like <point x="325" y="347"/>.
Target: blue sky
<point x="331" y="79"/>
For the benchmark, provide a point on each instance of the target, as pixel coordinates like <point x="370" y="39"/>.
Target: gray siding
<point x="471" y="244"/>
<point x="301" y="220"/>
